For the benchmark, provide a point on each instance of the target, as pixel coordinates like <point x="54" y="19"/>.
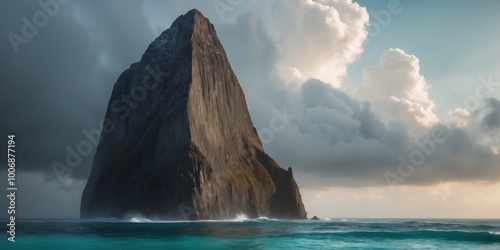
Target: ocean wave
<point x="240" y="231"/>
<point x="465" y="236"/>
<point x="263" y="219"/>
<point x="449" y="235"/>
<point x="238" y="218"/>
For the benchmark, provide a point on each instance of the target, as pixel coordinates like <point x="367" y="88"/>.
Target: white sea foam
<point x="241" y="217"/>
<point x="139" y="220"/>
<point x="265" y="218"/>
<point x="238" y="218"/>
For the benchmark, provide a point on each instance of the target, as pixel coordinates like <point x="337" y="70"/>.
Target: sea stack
<point x="178" y="142"/>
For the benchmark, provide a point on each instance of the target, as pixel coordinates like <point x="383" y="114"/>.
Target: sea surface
<point x="262" y="233"/>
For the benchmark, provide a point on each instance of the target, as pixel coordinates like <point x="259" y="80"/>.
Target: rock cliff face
<point x="178" y="141"/>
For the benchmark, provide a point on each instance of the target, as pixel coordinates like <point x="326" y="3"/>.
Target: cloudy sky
<point x="393" y="106"/>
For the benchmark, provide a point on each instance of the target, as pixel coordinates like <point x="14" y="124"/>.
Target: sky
<point x="393" y="106"/>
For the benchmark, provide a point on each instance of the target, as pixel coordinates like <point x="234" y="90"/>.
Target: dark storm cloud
<point x="343" y="143"/>
<point x="59" y="82"/>
<point x="38" y="198"/>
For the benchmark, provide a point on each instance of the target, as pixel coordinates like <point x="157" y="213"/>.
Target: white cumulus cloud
<point x="318" y="39"/>
<point x="398" y="92"/>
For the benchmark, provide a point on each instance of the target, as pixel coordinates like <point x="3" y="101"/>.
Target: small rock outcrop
<point x="178" y="141"/>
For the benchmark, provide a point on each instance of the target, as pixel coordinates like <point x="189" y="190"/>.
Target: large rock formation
<point x="178" y="141"/>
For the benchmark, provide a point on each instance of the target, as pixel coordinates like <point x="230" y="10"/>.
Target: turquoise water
<point x="256" y="234"/>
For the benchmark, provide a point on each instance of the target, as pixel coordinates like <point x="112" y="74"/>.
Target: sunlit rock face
<point x="178" y="141"/>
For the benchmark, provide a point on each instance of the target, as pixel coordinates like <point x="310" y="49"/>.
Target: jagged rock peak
<point x="187" y="148"/>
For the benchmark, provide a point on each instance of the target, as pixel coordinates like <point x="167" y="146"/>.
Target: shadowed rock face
<point x="178" y="141"/>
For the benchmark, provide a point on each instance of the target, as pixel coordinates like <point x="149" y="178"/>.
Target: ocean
<point x="261" y="233"/>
